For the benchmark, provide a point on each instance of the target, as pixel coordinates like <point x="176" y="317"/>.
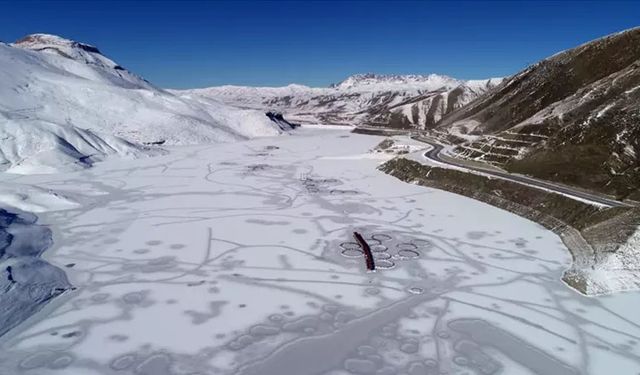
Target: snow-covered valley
<point x="239" y="259"/>
<point x="152" y="231"/>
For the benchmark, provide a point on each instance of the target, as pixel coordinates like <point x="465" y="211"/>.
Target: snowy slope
<point x="36" y="146"/>
<point x="95" y="66"/>
<point x="63" y="105"/>
<point x="29" y="198"/>
<point x="362" y="99"/>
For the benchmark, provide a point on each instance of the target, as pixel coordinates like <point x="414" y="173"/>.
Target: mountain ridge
<point x="85" y="54"/>
<point x="575" y="108"/>
<point x="361" y="99"/>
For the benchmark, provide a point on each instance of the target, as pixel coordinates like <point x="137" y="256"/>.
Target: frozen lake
<point x="239" y="259"/>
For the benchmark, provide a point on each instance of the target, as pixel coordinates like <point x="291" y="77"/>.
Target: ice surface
<point x="238" y="259"/>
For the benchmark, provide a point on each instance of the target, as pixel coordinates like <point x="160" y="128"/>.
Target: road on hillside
<point x="434" y="154"/>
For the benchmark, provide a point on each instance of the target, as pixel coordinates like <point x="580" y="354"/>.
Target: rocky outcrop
<point x="279" y="119"/>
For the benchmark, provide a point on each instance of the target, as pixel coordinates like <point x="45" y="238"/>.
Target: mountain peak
<point x="44" y="41"/>
<point x="70" y="49"/>
<point x="94" y="65"/>
<point x="380" y="81"/>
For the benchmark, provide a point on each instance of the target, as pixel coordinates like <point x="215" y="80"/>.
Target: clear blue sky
<point x="195" y="44"/>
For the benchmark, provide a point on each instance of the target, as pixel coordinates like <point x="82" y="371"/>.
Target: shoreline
<point x="29" y="282"/>
<point x="590" y="234"/>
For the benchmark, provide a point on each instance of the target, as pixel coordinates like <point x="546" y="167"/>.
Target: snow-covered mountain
<point x="573" y="117"/>
<point x="64" y="105"/>
<point x="380" y="82"/>
<point x="362" y="99"/>
<point x="104" y="69"/>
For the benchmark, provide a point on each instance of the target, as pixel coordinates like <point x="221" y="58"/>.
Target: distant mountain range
<point x="364" y="99"/>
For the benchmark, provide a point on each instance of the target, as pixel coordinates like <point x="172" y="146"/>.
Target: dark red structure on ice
<point x="368" y="256"/>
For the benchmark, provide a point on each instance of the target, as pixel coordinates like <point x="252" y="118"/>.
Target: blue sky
<point x="186" y="44"/>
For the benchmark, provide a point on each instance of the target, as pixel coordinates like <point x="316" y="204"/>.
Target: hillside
<point x="403" y="101"/>
<point x="571" y="118"/>
<point x="64" y="105"/>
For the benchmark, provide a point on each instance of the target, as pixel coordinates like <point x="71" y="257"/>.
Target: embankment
<point x="593" y="234"/>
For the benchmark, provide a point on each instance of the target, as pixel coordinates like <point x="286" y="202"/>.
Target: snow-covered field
<point x="239" y="259"/>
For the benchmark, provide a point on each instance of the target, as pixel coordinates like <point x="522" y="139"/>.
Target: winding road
<point x="434" y="154"/>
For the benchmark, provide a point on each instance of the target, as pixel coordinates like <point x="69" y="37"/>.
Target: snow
<point x="617" y="270"/>
<point x="632" y="90"/>
<point x="374" y="82"/>
<point x="604" y="110"/>
<point x="480" y="85"/>
<point x="90" y="63"/>
<point x="629" y="150"/>
<point x="34" y="199"/>
<point x="34" y="146"/>
<point x="349" y="101"/>
<point x="463" y="128"/>
<point x="64" y="105"/>
<point x="227" y="259"/>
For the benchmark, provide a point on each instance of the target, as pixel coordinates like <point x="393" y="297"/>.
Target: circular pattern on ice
<point x="381" y="237"/>
<point x="352" y="253"/>
<point x="378" y="248"/>
<point x="385" y="264"/>
<point x="381" y="256"/>
<point x="408" y="254"/>
<point x="407" y="246"/>
<point x="350" y="246"/>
